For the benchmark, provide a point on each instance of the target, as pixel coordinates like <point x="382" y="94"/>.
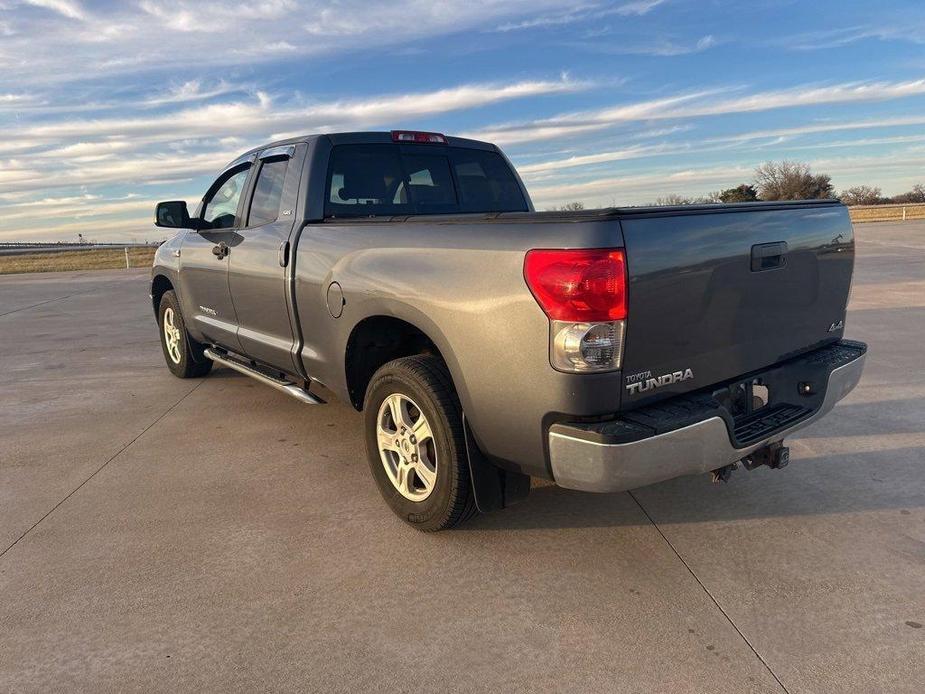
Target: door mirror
<point x="172" y="215"/>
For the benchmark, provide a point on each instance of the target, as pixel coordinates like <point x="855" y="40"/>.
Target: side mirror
<point x="172" y="215"/>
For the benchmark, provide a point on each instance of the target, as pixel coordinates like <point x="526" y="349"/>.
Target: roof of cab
<point x="359" y="138"/>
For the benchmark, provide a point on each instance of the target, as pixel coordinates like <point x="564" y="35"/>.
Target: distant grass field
<point x="885" y="213"/>
<point x="98" y="259"/>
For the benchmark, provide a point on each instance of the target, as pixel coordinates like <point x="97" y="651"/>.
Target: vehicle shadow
<point x="879" y="480"/>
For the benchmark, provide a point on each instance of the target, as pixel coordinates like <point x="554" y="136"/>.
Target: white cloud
<point x="639" y="7"/>
<point x="7" y="99"/>
<point x="705" y="42"/>
<point x="568" y="124"/>
<point x="657" y="46"/>
<point x="192" y="90"/>
<point x="906" y="31"/>
<point x="161" y="34"/>
<point x="582" y="13"/>
<point x="824" y="127"/>
<point x="602" y="157"/>
<point x="262" y="118"/>
<point x="66" y="8"/>
<point x="698" y="104"/>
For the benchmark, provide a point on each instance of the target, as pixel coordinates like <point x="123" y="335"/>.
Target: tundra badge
<point x="643" y="381"/>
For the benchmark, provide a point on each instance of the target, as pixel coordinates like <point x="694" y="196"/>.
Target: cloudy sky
<point x="108" y="106"/>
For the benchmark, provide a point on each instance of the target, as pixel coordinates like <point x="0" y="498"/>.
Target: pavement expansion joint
<point x="710" y="595"/>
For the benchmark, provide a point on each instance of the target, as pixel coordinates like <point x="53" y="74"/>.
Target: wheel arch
<point x="160" y="285"/>
<point x="378" y="339"/>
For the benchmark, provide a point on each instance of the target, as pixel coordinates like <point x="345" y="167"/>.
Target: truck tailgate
<point x="717" y="293"/>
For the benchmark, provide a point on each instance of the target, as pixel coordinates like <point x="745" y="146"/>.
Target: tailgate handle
<point x="768" y="256"/>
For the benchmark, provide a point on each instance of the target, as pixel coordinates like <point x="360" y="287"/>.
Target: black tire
<point x="185" y="359"/>
<point x="424" y="380"/>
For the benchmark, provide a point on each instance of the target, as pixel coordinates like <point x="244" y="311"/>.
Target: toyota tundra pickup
<point x="408" y="274"/>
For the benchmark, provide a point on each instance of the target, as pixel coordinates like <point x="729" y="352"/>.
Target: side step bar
<point x="287" y="387"/>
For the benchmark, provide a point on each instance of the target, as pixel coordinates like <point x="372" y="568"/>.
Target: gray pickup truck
<point x="408" y="274"/>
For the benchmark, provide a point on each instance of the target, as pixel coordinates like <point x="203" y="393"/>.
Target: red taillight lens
<point x="578" y="285"/>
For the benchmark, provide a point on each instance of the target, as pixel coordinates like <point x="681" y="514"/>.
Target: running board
<point x="287" y="387"/>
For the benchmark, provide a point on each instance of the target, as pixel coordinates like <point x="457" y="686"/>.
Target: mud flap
<point x="494" y="488"/>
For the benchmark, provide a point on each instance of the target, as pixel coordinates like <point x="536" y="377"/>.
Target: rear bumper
<point x="584" y="456"/>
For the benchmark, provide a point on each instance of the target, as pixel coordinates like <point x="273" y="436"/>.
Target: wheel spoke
<point x="386" y="440"/>
<point x="425" y="474"/>
<point x="397" y="410"/>
<point x="403" y="479"/>
<point x="421" y="429"/>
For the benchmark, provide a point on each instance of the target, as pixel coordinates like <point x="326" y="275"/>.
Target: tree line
<point x="787" y="180"/>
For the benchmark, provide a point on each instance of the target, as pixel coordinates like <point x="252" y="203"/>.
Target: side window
<point x="222" y="205"/>
<point x="268" y="192"/>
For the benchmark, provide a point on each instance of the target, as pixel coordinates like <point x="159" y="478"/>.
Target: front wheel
<point x="415" y="443"/>
<point x="184" y="356"/>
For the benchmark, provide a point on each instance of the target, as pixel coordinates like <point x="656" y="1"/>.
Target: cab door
<point x="204" y="258"/>
<point x="259" y="265"/>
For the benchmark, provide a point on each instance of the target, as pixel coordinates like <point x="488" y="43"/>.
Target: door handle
<point x="284" y="254"/>
<point x="767" y="256"/>
<point x="221" y="250"/>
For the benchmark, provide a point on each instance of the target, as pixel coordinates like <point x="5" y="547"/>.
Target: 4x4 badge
<point x="837" y="325"/>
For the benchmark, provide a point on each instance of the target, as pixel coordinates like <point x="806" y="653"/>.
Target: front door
<point x="258" y="266"/>
<point x="204" y="260"/>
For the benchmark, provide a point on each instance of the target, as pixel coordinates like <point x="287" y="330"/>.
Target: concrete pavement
<point x="165" y="535"/>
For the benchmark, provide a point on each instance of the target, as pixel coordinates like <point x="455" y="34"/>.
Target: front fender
<point x="165" y="268"/>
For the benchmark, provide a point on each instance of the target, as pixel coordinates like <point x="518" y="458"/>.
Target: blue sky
<point x="107" y="107"/>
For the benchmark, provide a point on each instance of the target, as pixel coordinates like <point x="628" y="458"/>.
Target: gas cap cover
<point x="335" y="300"/>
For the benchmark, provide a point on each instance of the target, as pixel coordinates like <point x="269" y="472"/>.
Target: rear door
<point x="716" y="294"/>
<point x="259" y="263"/>
<point x="204" y="258"/>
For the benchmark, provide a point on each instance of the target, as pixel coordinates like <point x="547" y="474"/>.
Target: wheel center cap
<point x="406" y="445"/>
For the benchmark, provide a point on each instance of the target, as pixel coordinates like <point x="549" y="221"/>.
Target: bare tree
<point x="916" y="195"/>
<point x="742" y="193"/>
<point x="570" y="207"/>
<point x="673" y="199"/>
<point x="791" y="180"/>
<point x="861" y="195"/>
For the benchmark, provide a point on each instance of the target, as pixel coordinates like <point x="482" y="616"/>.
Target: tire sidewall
<point x="418" y="513"/>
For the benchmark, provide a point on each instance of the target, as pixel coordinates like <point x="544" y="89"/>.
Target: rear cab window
<point x="384" y="180"/>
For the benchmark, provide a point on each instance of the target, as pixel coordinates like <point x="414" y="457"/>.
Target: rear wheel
<point x="415" y="443"/>
<point x="184" y="356"/>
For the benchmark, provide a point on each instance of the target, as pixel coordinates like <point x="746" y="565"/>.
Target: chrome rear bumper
<point x="578" y="463"/>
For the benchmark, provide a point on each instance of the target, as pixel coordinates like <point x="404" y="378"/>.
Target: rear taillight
<point x="583" y="292"/>
<point x="578" y="285"/>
